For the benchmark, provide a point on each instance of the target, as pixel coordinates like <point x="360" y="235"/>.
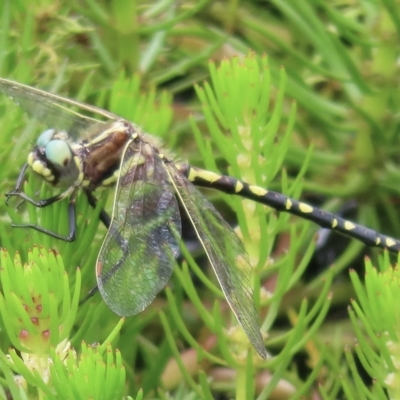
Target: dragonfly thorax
<point x="53" y="159"/>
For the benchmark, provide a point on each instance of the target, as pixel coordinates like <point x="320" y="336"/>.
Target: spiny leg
<point x="106" y="220"/>
<point x="103" y="216"/>
<point x="71" y="192"/>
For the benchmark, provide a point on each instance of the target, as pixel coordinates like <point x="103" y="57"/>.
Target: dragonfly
<point x="87" y="148"/>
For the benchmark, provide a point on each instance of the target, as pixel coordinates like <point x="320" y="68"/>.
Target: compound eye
<point x="45" y="137"/>
<point x="58" y="153"/>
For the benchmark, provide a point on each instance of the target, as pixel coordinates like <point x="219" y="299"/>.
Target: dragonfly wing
<point x="56" y="111"/>
<point x="226" y="254"/>
<point x="140" y="249"/>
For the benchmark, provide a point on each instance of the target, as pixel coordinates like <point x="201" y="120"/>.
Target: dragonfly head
<point x="53" y="159"/>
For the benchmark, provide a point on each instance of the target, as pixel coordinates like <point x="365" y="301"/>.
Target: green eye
<point x="45" y="137"/>
<point x="58" y="152"/>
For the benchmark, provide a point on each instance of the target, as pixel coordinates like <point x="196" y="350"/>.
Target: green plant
<point x="339" y="63"/>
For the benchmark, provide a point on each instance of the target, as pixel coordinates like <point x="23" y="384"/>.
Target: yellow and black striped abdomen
<point x="280" y="202"/>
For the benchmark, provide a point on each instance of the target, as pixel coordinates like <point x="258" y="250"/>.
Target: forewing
<point x="226" y="254"/>
<point x="56" y="111"/>
<point x="139" y="252"/>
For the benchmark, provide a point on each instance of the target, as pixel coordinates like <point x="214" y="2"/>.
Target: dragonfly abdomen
<point x="281" y="202"/>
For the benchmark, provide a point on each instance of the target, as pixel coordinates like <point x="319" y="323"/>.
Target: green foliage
<point x="378" y="345"/>
<point x="38" y="316"/>
<point x="324" y="127"/>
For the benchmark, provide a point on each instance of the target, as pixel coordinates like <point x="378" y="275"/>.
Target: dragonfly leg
<point x="91" y="293"/>
<point x="21" y="177"/>
<point x="106" y="220"/>
<point x="71" y="219"/>
<point x="18" y="185"/>
<point x="104" y="217"/>
<point x="37" y="203"/>
<point x="17" y="192"/>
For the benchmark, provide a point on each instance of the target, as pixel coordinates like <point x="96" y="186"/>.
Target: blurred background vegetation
<point x="144" y="60"/>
